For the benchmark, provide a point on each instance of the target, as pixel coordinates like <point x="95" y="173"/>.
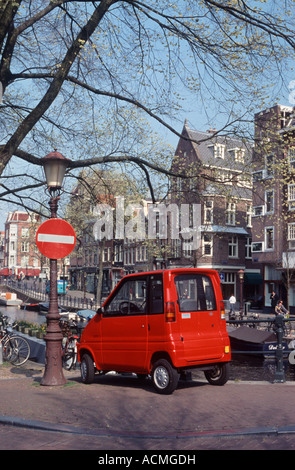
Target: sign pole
<point x="55" y="239"/>
<point x="53" y="374"/>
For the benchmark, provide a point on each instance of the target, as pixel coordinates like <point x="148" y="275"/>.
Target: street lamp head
<point x="55" y="165"/>
<point x="241" y="274"/>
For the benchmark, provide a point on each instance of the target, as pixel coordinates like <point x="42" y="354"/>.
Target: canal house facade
<point x="273" y="219"/>
<point x="217" y="175"/>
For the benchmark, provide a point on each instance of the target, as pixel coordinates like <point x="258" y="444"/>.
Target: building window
<point x="257" y="247"/>
<point x="291" y="231"/>
<point x="25" y="232"/>
<point x="25" y="246"/>
<point x="248" y="248"/>
<point x="24" y="262"/>
<point x="138" y="253"/>
<point x="229" y="278"/>
<point x="238" y="154"/>
<point x="269" y="201"/>
<point x="187" y="249"/>
<point x="218" y="150"/>
<point x="257" y="175"/>
<point x="208" y="212"/>
<point x="233" y="247"/>
<point x="143" y="253"/>
<point x="175" y="248"/>
<point x="291" y="196"/>
<point x="269" y="161"/>
<point x="179" y="182"/>
<point x="118" y="253"/>
<point x="249" y="215"/>
<point x="291" y="158"/>
<point x="105" y="255"/>
<point x="258" y="211"/>
<point x="230" y="213"/>
<point x="291" y="236"/>
<point x="207" y="244"/>
<point x="269" y="238"/>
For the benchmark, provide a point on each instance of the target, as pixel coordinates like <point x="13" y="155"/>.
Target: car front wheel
<point x="87" y="369"/>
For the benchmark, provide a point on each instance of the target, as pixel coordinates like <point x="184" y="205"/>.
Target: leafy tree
<point x="74" y="74"/>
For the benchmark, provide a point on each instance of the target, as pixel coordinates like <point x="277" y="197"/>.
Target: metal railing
<point x="277" y="325"/>
<point x="74" y="300"/>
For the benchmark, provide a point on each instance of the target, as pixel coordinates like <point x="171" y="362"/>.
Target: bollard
<point x="1" y="354"/>
<point x="279" y="329"/>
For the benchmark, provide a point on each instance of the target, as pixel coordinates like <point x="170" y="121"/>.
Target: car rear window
<point x="195" y="292"/>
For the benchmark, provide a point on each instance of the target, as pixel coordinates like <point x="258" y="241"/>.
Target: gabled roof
<point x="205" y="148"/>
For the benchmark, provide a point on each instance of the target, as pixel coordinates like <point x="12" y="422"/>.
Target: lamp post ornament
<point x="55" y="166"/>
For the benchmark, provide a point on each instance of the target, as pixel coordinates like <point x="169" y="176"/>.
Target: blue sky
<point x="200" y="115"/>
<point x="197" y="119"/>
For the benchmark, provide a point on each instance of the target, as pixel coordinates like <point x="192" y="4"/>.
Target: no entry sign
<point x="55" y="238"/>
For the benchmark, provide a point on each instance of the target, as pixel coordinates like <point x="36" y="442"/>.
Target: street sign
<point x="55" y="238"/>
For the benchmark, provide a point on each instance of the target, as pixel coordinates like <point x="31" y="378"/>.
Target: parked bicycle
<point x="15" y="348"/>
<point x="69" y="343"/>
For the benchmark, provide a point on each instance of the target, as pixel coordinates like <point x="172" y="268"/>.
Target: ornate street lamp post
<point x="241" y="276"/>
<point x="55" y="165"/>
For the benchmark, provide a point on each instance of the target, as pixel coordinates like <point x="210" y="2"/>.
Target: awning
<point x="223" y="229"/>
<point x="31" y="272"/>
<point x="253" y="278"/>
<point x="4" y="272"/>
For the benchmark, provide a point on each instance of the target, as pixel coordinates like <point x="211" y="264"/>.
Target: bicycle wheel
<point x="17" y="350"/>
<point x="68" y="360"/>
<point x="69" y="356"/>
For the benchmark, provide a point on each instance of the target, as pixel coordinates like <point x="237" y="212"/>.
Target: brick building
<point x="21" y="256"/>
<point x="218" y="177"/>
<point x="274" y="201"/>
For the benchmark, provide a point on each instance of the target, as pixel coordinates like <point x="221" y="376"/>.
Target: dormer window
<point x="218" y="150"/>
<point x="238" y="154"/>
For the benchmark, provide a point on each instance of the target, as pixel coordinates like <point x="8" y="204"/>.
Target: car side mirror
<point x="100" y="311"/>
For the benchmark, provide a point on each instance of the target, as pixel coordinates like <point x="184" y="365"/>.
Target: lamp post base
<point x="53" y="374"/>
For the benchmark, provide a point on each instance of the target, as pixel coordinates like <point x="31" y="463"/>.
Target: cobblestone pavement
<point x="119" y="413"/>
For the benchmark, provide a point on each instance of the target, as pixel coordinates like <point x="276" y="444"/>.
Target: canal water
<point x="243" y="367"/>
<point x="15" y="313"/>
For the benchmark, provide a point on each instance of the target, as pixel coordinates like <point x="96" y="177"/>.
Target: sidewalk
<point x="120" y="413"/>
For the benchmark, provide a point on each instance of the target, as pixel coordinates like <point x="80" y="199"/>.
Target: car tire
<point x="87" y="369"/>
<point x="165" y="377"/>
<point x="219" y="375"/>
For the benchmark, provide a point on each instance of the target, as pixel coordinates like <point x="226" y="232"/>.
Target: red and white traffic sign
<point x="55" y="238"/>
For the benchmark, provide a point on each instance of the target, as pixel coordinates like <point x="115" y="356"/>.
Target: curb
<point x="61" y="428"/>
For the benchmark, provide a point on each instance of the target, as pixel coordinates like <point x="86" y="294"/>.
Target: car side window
<point x="129" y="299"/>
<point x="195" y="292"/>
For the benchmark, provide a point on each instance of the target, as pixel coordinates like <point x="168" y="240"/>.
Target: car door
<point x="199" y="316"/>
<point x="124" y="327"/>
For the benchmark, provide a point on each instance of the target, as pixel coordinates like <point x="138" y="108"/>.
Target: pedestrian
<point x="232" y="303"/>
<point x="274" y="298"/>
<point x="281" y="310"/>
